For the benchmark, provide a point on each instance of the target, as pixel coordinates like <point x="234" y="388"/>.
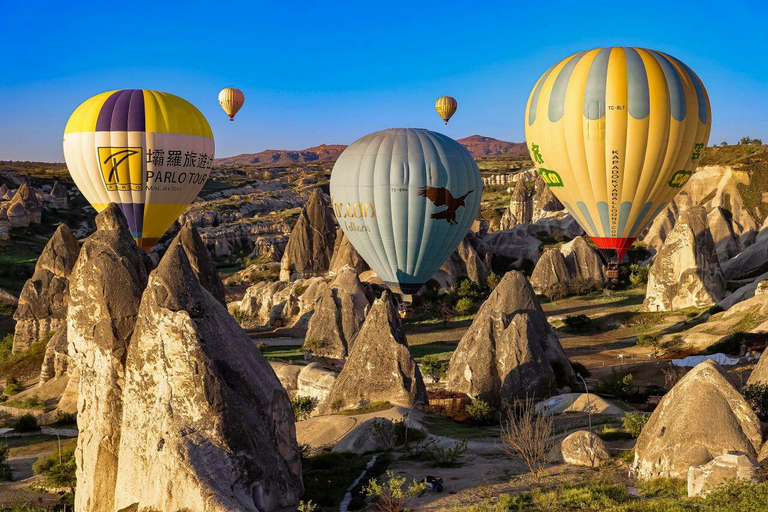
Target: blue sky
<point x="330" y="72"/>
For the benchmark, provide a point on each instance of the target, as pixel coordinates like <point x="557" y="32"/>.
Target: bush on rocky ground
<point x="481" y="412"/>
<point x="434" y="367"/>
<point x="634" y="422"/>
<point x="577" y="323"/>
<point x="618" y="384"/>
<point x="58" y="469"/>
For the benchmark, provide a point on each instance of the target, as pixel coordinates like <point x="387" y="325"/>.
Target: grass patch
<point x="368" y="408"/>
<point x="608" y="433"/>
<point x="328" y="475"/>
<point x="443" y="426"/>
<point x="664" y="488"/>
<point x="441" y="349"/>
<point x="286" y="353"/>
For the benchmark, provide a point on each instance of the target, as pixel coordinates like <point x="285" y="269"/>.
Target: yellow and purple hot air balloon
<point x="150" y="152"/>
<point x="616" y="133"/>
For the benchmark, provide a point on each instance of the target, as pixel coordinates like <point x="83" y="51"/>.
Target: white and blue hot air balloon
<point x="405" y="198"/>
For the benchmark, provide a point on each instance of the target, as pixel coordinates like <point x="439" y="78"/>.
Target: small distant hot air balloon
<point x="446" y="107"/>
<point x="405" y="198"/>
<point x="231" y="100"/>
<point x="148" y="151"/>
<point x="616" y="133"/>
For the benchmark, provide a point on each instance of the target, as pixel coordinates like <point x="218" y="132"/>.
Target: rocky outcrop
<point x="5" y="225"/>
<point x="550" y="270"/>
<point x="338" y="317"/>
<point x="380" y="366"/>
<point x="731" y="466"/>
<point x="466" y="263"/>
<point x="520" y="205"/>
<point x="369" y="436"/>
<point x="310" y="247"/>
<point x="313" y="380"/>
<point x="544" y="201"/>
<point x="700" y="418"/>
<point x="106" y="287"/>
<point x="345" y="255"/>
<point x="583" y="261"/>
<point x="583" y="448"/>
<point x="26" y="198"/>
<point x="56" y="359"/>
<point x="759" y="376"/>
<point x="215" y="425"/>
<point x="280" y="304"/>
<point x="748" y="262"/>
<point x="43" y="300"/>
<point x="510" y="350"/>
<point x="686" y="271"/>
<point x="202" y="264"/>
<point x="8" y="299"/>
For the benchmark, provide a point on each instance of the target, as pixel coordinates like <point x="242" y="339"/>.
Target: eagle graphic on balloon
<point x="648" y="110"/>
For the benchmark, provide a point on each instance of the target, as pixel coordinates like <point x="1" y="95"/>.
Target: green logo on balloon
<point x="680" y="178"/>
<point x="551" y="178"/>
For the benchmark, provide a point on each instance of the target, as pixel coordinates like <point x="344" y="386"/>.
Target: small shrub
<point x="445" y="312"/>
<point x="448" y="457"/>
<point x="393" y="495"/>
<point x="6" y="345"/>
<point x="634" y="422"/>
<point x="26" y="423"/>
<point x="757" y="398"/>
<point x="481" y="412"/>
<point x="313" y="345"/>
<point x="607" y="433"/>
<point x="627" y="457"/>
<point x="302" y="407"/>
<point x="239" y="315"/>
<point x="12" y="386"/>
<point x="738" y="496"/>
<point x="618" y="384"/>
<point x="493" y="280"/>
<point x="262" y="347"/>
<point x="467" y="289"/>
<point x="638" y="275"/>
<point x="337" y="404"/>
<point x="306" y="506"/>
<point x="434" y="367"/>
<point x="584" y="286"/>
<point x="577" y="323"/>
<point x="648" y="340"/>
<point x="63" y="418"/>
<point x="58" y="473"/>
<point x="580" y="369"/>
<point x="528" y="435"/>
<point x="5" y="468"/>
<point x="556" y="292"/>
<point x="465" y="306"/>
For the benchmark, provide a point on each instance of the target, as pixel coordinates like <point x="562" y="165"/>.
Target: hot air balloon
<point x="148" y="151"/>
<point x="616" y="133"/>
<point x="231" y="100"/>
<point x="405" y="198"/>
<point x="446" y="107"/>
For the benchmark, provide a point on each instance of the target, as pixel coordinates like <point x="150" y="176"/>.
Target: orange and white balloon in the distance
<point x="231" y="100"/>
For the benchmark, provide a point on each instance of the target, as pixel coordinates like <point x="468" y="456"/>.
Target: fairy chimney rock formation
<point x="510" y="350"/>
<point x="43" y="300"/>
<point x="686" y="271"/>
<point x="310" y="246"/>
<point x="200" y="260"/>
<point x="702" y="417"/>
<point x="106" y="287"/>
<point x="380" y="366"/>
<point x="338" y="317"/>
<point x="213" y="425"/>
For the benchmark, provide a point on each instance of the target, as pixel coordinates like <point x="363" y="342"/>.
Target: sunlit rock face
<point x="214" y="425"/>
<point x="700" y="418"/>
<point x="106" y="286"/>
<point x="686" y="271"/>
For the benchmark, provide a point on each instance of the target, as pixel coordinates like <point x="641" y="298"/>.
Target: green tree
<point x="433" y="366"/>
<point x="58" y="469"/>
<point x="465" y="306"/>
<point x="392" y="495"/>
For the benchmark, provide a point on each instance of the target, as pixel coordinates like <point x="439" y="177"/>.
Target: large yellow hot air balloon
<point x="148" y="151"/>
<point x="446" y="107"/>
<point x="616" y="133"/>
<point x="231" y="100"/>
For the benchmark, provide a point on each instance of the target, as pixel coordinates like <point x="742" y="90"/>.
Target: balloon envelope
<point x="405" y="198"/>
<point x="148" y="151"/>
<point x="231" y="100"/>
<point x="616" y="133"/>
<point x="446" y="107"/>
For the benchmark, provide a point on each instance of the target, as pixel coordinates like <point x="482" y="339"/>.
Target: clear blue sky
<point x="330" y="72"/>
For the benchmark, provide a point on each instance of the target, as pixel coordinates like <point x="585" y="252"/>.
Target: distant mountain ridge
<point x="478" y="145"/>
